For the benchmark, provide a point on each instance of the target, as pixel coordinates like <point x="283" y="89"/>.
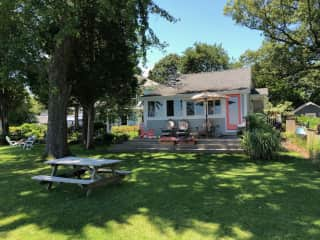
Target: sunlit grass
<point x="168" y="196"/>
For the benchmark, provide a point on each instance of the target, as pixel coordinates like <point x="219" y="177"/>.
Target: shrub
<point x="260" y="144"/>
<point x="120" y="138"/>
<point x="74" y="137"/>
<point x="257" y="121"/>
<point x="131" y="131"/>
<point x="310" y="122"/>
<point x="260" y="141"/>
<point x="29" y="129"/>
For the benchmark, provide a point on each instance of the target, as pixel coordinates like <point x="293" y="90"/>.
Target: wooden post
<point x="290" y="126"/>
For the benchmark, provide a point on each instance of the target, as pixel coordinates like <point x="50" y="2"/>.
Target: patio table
<point x="80" y="166"/>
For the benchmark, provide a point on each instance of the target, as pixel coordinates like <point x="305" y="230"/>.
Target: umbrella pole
<point x="206" y="107"/>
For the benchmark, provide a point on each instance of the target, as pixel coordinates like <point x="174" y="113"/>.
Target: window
<point x="151" y="109"/>
<point x="154" y="108"/>
<point x="199" y="108"/>
<point x="210" y="107"/>
<point x="217" y="106"/>
<point x="195" y="108"/>
<point x="170" y="108"/>
<point x="214" y="107"/>
<point x="190" y="108"/>
<point x="178" y="108"/>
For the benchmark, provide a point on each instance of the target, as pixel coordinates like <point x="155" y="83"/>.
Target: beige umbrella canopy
<point x="205" y="97"/>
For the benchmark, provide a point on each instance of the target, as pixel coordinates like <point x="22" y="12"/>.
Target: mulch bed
<point x="295" y="148"/>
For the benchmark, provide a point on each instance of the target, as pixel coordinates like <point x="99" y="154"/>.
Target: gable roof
<point x="234" y="79"/>
<point x="305" y="105"/>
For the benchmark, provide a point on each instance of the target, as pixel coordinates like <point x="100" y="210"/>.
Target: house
<point x="308" y="109"/>
<point x="162" y="103"/>
<point x="42" y="118"/>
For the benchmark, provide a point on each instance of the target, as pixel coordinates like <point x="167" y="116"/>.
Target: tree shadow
<point x="216" y="196"/>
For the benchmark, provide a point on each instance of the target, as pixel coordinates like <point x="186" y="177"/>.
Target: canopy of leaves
<point x="204" y="58"/>
<point x="279" y="68"/>
<point x="291" y="22"/>
<point x="166" y="69"/>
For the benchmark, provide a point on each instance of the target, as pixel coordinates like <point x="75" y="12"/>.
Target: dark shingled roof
<point x="234" y="79"/>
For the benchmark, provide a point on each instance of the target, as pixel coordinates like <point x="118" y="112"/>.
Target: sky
<point x="200" y="21"/>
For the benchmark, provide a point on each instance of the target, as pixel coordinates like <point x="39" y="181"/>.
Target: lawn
<point x="168" y="196"/>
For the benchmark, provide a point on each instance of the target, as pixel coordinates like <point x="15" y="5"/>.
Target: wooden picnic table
<point x="99" y="175"/>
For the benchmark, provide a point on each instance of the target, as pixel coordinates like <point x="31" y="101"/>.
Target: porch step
<point x="218" y="145"/>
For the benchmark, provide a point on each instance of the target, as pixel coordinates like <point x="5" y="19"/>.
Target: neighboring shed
<point x="308" y="109"/>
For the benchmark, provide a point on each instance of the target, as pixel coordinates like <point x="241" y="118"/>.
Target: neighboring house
<point x="308" y="109"/>
<point x="163" y="102"/>
<point x="43" y="118"/>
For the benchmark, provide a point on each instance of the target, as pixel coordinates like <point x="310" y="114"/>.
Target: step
<point x="170" y="150"/>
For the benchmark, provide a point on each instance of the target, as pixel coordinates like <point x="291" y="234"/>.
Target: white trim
<point x="245" y="101"/>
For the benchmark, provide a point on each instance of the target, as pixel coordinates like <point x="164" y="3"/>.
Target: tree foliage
<point x="166" y="70"/>
<point x="84" y="41"/>
<point x="204" y="58"/>
<point x="278" y="68"/>
<point x="292" y="22"/>
<point x="199" y="58"/>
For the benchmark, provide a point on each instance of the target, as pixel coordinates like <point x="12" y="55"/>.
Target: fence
<point x="312" y="138"/>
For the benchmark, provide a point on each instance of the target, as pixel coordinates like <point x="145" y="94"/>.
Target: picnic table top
<point x="78" y="161"/>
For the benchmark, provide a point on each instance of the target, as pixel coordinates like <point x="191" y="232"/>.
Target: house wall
<point x="310" y="109"/>
<point x="196" y="122"/>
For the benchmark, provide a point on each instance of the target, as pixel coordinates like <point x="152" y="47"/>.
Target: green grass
<point x="168" y="196"/>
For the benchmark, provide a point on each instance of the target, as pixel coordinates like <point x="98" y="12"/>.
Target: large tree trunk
<point x="90" y="126"/>
<point x="84" y="127"/>
<point x="59" y="94"/>
<point x="76" y="117"/>
<point x="4" y="121"/>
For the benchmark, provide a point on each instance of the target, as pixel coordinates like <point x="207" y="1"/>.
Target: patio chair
<point x="146" y="133"/>
<point x="170" y="128"/>
<point x="203" y="130"/>
<point x="12" y="143"/>
<point x="28" y="144"/>
<point x="183" y="129"/>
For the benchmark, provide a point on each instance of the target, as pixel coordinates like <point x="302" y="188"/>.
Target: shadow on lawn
<point x="174" y="191"/>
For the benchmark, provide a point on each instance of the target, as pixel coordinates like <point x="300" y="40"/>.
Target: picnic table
<point x="101" y="172"/>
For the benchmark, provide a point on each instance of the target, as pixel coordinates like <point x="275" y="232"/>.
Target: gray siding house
<point x="161" y="102"/>
<point x="309" y="109"/>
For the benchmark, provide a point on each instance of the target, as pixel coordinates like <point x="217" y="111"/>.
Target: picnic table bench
<point x="98" y="176"/>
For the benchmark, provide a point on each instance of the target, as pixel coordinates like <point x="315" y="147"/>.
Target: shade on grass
<point x="168" y="196"/>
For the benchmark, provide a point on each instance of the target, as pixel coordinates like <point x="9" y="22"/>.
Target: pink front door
<point x="233" y="105"/>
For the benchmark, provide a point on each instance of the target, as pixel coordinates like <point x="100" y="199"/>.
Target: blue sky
<point x="200" y="21"/>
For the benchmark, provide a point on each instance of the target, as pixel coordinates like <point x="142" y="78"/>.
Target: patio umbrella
<point x="205" y="97"/>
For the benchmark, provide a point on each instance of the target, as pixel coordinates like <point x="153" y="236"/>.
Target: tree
<point x="278" y="68"/>
<point x="58" y="30"/>
<point x="204" y="58"/>
<point x="25" y="112"/>
<point x="12" y="61"/>
<point x="166" y="69"/>
<point x="293" y="23"/>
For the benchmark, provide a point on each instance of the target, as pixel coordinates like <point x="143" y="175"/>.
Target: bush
<point x="130" y="131"/>
<point x="28" y="129"/>
<point x="310" y="122"/>
<point x="120" y="138"/>
<point x="257" y="121"/>
<point x="260" y="144"/>
<point x="260" y="141"/>
<point x="74" y="137"/>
